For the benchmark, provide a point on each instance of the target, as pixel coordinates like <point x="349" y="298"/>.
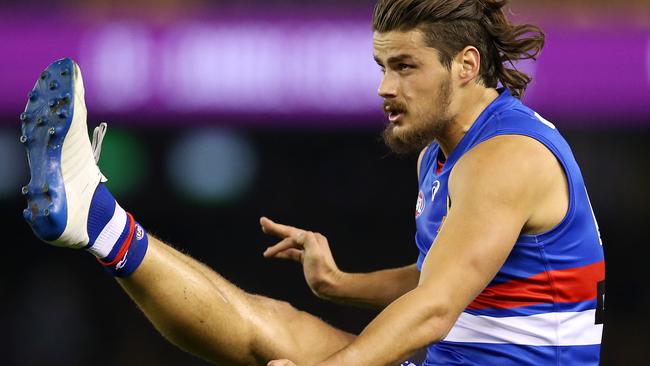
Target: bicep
<point x="469" y="250"/>
<point x="491" y="196"/>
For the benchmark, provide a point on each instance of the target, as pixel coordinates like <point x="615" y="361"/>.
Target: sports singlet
<point x="544" y="306"/>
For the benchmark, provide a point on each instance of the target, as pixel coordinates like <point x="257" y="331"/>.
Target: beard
<point x="421" y="133"/>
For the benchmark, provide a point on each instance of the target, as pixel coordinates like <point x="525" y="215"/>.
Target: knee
<point x="273" y="324"/>
<point x="275" y="309"/>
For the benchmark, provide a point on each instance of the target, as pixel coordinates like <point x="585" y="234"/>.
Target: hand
<point x="281" y="363"/>
<point x="309" y="248"/>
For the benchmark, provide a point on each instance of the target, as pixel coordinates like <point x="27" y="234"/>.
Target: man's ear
<point x="469" y="60"/>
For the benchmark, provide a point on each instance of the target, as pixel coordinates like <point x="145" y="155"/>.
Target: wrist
<point x="330" y="286"/>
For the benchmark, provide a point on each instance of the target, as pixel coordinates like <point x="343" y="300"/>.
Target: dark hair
<point x="451" y="25"/>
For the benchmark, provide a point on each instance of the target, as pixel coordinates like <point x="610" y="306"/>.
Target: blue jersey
<point x="543" y="306"/>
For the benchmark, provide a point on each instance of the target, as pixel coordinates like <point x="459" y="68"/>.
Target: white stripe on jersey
<point x="547" y="329"/>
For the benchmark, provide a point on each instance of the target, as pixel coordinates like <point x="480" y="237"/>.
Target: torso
<point x="540" y="308"/>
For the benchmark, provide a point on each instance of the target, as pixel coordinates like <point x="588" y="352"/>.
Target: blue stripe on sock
<point x="102" y="208"/>
<point x="136" y="253"/>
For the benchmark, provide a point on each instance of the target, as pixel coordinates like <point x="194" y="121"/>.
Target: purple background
<point x="60" y="309"/>
<point x="270" y="67"/>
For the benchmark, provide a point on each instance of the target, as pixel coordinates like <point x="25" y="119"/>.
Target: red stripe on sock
<point x="124" y="246"/>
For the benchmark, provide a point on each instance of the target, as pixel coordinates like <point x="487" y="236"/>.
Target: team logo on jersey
<point x="434" y="189"/>
<point x="419" y="205"/>
<point x="139" y="232"/>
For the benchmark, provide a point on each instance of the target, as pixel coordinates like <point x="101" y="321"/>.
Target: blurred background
<point x="220" y="112"/>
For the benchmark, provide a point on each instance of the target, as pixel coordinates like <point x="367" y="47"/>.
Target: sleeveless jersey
<point x="544" y="306"/>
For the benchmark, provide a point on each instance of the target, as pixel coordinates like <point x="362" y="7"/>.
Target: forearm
<point x="189" y="303"/>
<point x="375" y="290"/>
<point x="405" y="326"/>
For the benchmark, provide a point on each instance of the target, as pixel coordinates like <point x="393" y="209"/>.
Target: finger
<point x="304" y="239"/>
<point x="273" y="228"/>
<point x="278" y="363"/>
<point x="281" y="363"/>
<point x="320" y="238"/>
<point x="293" y="254"/>
<point x="284" y="244"/>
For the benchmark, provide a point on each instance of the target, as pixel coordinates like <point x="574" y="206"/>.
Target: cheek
<point x="423" y="106"/>
<point x="423" y="95"/>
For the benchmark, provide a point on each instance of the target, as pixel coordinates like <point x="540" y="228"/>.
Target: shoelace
<point x="98" y="139"/>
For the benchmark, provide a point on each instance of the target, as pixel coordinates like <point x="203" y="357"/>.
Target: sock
<point x="116" y="239"/>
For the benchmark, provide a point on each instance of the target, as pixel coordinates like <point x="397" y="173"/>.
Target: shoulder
<point x="521" y="116"/>
<point x="514" y="149"/>
<point x="503" y="168"/>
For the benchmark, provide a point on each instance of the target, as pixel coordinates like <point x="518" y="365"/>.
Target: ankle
<point x="115" y="238"/>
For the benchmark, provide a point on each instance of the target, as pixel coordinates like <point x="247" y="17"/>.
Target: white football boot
<point x="62" y="161"/>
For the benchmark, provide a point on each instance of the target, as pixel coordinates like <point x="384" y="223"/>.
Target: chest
<point x="431" y="206"/>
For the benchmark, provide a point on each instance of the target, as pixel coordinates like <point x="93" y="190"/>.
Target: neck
<point x="477" y="101"/>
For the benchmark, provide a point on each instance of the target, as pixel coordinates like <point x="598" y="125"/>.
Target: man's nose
<point x="388" y="86"/>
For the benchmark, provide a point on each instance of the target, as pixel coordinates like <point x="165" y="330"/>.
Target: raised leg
<point x="191" y="305"/>
<point x="204" y="314"/>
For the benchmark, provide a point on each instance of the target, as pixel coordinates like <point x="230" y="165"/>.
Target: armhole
<point x="570" y="214"/>
<point x="420" y="261"/>
<point x="423" y="162"/>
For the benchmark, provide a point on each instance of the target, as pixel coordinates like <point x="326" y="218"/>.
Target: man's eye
<point x="404" y="67"/>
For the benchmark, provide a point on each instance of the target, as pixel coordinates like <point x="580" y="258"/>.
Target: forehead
<point x="410" y="42"/>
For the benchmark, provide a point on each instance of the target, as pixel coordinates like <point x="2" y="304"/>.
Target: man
<point x="511" y="266"/>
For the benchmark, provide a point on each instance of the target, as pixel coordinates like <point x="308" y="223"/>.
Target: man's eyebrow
<point x="399" y="58"/>
<point x="395" y="59"/>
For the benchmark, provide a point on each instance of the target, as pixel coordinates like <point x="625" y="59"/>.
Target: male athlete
<point x="511" y="266"/>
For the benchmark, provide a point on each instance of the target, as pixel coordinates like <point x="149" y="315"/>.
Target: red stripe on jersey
<point x="440" y="166"/>
<point x="563" y="285"/>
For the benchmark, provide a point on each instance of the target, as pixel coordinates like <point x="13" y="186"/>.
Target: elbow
<point x="440" y="317"/>
<point x="440" y="326"/>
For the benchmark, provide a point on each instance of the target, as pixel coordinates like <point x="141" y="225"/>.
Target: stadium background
<point x="220" y="112"/>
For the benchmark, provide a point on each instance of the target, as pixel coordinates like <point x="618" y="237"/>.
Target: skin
<point x="202" y="313"/>
<point x="371" y="290"/>
<point x="501" y="188"/>
<point x="414" y="81"/>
